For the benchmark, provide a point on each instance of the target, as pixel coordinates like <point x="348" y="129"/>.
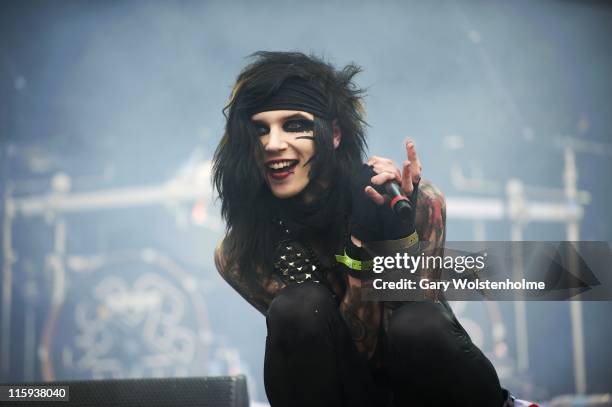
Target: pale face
<point x="287" y="139"/>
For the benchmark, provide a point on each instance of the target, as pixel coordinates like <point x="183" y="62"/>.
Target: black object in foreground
<point x="219" y="391"/>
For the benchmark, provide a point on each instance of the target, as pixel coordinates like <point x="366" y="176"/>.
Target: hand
<point x="372" y="219"/>
<point x="386" y="171"/>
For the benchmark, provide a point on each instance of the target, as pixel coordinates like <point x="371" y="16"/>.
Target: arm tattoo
<point x="362" y="318"/>
<point x="431" y="224"/>
<point x="260" y="295"/>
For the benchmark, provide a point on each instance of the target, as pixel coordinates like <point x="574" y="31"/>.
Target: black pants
<point x="429" y="359"/>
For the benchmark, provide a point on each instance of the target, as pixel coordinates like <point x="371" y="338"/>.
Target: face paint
<point x="288" y="142"/>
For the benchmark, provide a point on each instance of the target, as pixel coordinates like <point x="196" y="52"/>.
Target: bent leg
<point x="310" y="358"/>
<point x="432" y="360"/>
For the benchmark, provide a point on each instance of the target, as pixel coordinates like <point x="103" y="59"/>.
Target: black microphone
<point x="400" y="204"/>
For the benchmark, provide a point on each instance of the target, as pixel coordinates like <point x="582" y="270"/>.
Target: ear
<point x="337" y="134"/>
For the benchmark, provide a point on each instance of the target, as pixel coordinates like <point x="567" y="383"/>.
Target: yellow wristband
<point x="359" y="265"/>
<point x="392" y="246"/>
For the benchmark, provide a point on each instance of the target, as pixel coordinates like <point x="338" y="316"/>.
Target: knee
<point x="425" y="329"/>
<point x="300" y="311"/>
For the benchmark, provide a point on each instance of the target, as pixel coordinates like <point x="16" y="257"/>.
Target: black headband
<point x="296" y="94"/>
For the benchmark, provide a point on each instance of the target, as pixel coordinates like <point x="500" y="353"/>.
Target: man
<point x="304" y="216"/>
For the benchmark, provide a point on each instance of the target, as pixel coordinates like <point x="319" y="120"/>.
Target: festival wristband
<point x="357" y="261"/>
<point x="353" y="264"/>
<point x="385" y="247"/>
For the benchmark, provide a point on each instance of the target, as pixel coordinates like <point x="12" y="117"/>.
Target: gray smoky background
<point x="110" y="112"/>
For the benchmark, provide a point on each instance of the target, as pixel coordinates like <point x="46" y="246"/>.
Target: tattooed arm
<point x="259" y="295"/>
<point x="431" y="225"/>
<point x="363" y="318"/>
<point x="431" y="214"/>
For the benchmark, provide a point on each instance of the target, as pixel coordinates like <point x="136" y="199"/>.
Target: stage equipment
<point x="519" y="209"/>
<point x="188" y="186"/>
<point x="127" y="314"/>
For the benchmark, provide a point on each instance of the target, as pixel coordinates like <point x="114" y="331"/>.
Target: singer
<point x="305" y="216"/>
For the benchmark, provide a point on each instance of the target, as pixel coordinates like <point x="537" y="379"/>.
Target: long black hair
<point x="238" y="171"/>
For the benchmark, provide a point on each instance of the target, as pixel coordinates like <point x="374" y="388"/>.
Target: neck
<point x="317" y="207"/>
<point x="313" y="191"/>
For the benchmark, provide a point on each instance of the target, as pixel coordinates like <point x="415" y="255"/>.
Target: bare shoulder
<point x="431" y="212"/>
<point x="229" y="273"/>
<point x="229" y="270"/>
<point x="258" y="291"/>
<point x="220" y="259"/>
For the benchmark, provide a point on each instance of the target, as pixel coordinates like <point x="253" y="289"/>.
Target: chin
<point x="286" y="192"/>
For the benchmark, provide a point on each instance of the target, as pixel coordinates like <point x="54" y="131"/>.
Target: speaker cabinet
<point x="221" y="391"/>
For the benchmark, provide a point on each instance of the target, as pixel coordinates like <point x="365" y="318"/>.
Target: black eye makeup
<point x="298" y="125"/>
<point x="261" y="129"/>
<point x="291" y="125"/>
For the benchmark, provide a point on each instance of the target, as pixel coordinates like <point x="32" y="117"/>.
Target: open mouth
<point x="279" y="167"/>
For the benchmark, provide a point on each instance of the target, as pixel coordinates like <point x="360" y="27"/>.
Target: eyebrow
<point x="293" y="116"/>
<point x="297" y="116"/>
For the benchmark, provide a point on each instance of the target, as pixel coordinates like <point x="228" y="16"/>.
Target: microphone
<point x="400" y="204"/>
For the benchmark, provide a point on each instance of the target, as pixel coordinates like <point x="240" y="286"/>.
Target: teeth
<point x="280" y="164"/>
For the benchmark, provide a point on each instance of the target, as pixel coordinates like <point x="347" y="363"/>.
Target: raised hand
<point x="373" y="221"/>
<point x="386" y="171"/>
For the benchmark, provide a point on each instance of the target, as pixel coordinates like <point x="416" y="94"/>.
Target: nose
<point x="276" y="141"/>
